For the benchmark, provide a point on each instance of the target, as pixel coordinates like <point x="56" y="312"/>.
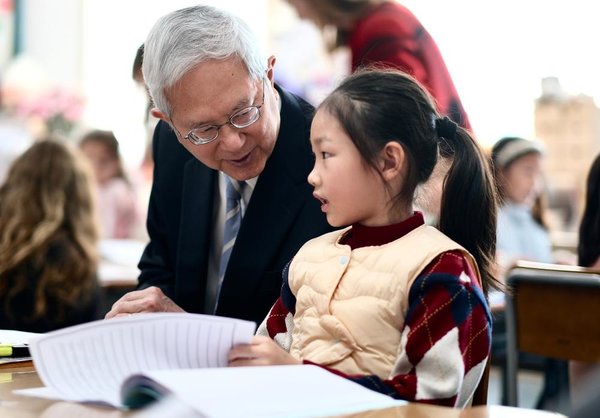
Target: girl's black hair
<point x="376" y="106"/>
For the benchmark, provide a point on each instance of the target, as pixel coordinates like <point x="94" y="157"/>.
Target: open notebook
<point x="265" y="391"/>
<point x="133" y="361"/>
<point x="88" y="362"/>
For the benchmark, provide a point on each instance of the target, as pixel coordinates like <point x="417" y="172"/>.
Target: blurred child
<point x="117" y="199"/>
<point x="150" y="121"/>
<point x="48" y="238"/>
<point x="522" y="233"/>
<point x="389" y="302"/>
<point x="146" y="169"/>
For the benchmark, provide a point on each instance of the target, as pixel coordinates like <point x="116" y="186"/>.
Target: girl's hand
<point x="262" y="351"/>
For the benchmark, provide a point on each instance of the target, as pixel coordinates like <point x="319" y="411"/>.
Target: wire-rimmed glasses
<point x="240" y="119"/>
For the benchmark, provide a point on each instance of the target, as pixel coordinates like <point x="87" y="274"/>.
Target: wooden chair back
<point x="551" y="310"/>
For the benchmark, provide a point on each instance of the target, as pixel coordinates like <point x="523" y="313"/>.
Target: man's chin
<point x="244" y="172"/>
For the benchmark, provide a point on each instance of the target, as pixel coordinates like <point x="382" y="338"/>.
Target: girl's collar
<point x="366" y="236"/>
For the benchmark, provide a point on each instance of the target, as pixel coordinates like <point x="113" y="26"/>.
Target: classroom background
<point x="521" y="68"/>
<point x="527" y="69"/>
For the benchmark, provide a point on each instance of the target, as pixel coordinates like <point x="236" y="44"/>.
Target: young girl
<point x="48" y="239"/>
<point x="522" y="235"/>
<point x="389" y="302"/>
<point x="521" y="230"/>
<point x="117" y="200"/>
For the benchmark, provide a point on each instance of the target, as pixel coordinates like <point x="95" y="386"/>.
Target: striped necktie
<point x="233" y="219"/>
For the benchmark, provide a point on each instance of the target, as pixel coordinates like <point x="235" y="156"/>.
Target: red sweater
<point x="447" y="314"/>
<point x="391" y="35"/>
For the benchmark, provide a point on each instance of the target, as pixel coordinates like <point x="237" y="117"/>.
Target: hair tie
<point x="445" y="127"/>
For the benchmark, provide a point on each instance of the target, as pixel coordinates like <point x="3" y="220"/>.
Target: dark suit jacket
<point x="281" y="216"/>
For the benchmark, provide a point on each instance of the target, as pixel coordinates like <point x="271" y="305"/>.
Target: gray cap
<point x="508" y="149"/>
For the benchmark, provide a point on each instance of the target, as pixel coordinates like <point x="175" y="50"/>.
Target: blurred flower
<point x="59" y="110"/>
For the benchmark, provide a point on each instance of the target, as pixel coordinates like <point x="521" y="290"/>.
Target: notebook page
<point x="88" y="362"/>
<point x="266" y="391"/>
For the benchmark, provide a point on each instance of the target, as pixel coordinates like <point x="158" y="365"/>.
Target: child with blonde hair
<point x="48" y="239"/>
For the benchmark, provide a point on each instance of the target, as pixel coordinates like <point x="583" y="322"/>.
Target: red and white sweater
<point x="446" y="332"/>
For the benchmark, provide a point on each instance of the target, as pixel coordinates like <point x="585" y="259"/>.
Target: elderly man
<point x="227" y="132"/>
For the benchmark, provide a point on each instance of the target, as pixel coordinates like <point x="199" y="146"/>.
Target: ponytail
<point x="376" y="106"/>
<point x="469" y="200"/>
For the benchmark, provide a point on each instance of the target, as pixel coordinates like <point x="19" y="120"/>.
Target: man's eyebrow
<point x="242" y="103"/>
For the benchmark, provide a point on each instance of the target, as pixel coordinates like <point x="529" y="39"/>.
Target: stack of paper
<point x="132" y="361"/>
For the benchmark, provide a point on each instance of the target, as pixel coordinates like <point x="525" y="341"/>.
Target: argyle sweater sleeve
<point x="445" y="340"/>
<point x="279" y="323"/>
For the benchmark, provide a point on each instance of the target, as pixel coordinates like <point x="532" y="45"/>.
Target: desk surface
<point x="23" y="375"/>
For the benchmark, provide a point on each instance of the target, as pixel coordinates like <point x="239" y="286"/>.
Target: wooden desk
<point x="23" y="375"/>
<point x="415" y="410"/>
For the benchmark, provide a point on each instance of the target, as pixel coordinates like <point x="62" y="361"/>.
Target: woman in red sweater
<point x="386" y="33"/>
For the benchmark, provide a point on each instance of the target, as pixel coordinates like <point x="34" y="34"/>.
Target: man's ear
<point x="392" y="161"/>
<point x="158" y="114"/>
<point x="270" y="69"/>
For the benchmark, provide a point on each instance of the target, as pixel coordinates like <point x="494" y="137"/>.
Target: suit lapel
<point x="196" y="228"/>
<point x="280" y="193"/>
<point x="267" y="221"/>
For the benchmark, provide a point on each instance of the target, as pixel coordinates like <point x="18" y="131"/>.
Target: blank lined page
<point x="296" y="391"/>
<point x="88" y="362"/>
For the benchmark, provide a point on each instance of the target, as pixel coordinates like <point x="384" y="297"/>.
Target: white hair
<point x="182" y="39"/>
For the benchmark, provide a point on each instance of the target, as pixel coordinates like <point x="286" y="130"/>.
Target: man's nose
<point x="232" y="139"/>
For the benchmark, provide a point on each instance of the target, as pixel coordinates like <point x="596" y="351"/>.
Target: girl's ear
<point x="392" y="161"/>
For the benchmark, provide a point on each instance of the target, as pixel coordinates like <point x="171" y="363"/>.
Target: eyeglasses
<point x="240" y="119"/>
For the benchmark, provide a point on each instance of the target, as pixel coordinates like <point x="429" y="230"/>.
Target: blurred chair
<point x="551" y="310"/>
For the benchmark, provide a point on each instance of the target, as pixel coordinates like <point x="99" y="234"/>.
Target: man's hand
<point x="151" y="299"/>
<point x="262" y="351"/>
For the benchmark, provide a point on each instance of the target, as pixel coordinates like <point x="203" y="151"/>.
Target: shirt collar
<point x="367" y="236"/>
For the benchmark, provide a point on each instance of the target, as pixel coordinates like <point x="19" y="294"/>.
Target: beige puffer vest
<point x="354" y="324"/>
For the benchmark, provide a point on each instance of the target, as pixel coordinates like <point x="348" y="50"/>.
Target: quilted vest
<point x="351" y="305"/>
